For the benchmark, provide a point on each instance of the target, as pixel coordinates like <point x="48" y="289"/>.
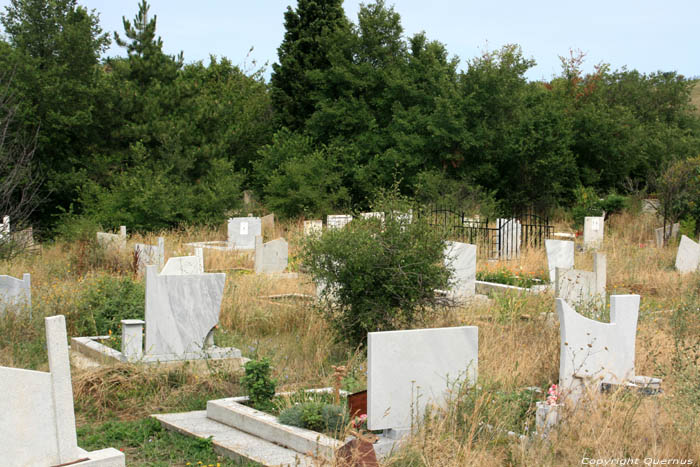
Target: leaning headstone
<point x="583" y="287"/>
<point x="268" y="225"/>
<point x="338" y="221"/>
<point x="592" y="352"/>
<point x="15" y="292"/>
<point x="181" y="311"/>
<point x="150" y="254"/>
<point x="672" y="231"/>
<point x="109" y="240"/>
<point x="242" y="232"/>
<point x="688" y="256"/>
<point x="593" y="232"/>
<point x="509" y="238"/>
<point x="409" y="370"/>
<point x="560" y="254"/>
<point x="38" y="421"/>
<point x="313" y="227"/>
<point x="271" y="257"/>
<point x="461" y="259"/>
<point x="185" y="265"/>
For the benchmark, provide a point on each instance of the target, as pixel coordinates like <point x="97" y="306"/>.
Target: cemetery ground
<point x="518" y="351"/>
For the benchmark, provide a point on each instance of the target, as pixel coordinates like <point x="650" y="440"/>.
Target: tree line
<point x="351" y="107"/>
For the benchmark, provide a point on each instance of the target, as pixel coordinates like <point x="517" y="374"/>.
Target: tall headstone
<point x="185" y="265"/>
<point x="15" y="292"/>
<point x="593" y="232"/>
<point x="314" y="227"/>
<point x="150" y="254"/>
<point x="583" y="287"/>
<point x="509" y="238"/>
<point x="181" y="311"/>
<point x="38" y="421"/>
<point x="271" y="257"/>
<point x="460" y="258"/>
<point x="688" y="256"/>
<point x="408" y="370"/>
<point x="672" y="231"/>
<point x="268" y="225"/>
<point x="560" y="254"/>
<point x="242" y="232"/>
<point x="592" y="352"/>
<point x="338" y="221"/>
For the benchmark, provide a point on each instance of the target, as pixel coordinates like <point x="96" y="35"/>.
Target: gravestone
<point x="268" y="225"/>
<point x="150" y="254"/>
<point x="688" y="256"/>
<point x="109" y="240"/>
<point x="338" y="221"/>
<point x="15" y="292"/>
<point x="271" y="257"/>
<point x="185" y="265"/>
<point x="583" y="287"/>
<point x="650" y="205"/>
<point x="672" y="231"/>
<point x="242" y="232"/>
<point x="461" y="259"/>
<point x="408" y="370"/>
<point x="373" y="215"/>
<point x="593" y="232"/>
<point x="5" y="228"/>
<point x="313" y="227"/>
<point x="560" y="254"/>
<point x="593" y="352"/>
<point x="181" y="311"/>
<point x="509" y="238"/>
<point x="38" y="421"/>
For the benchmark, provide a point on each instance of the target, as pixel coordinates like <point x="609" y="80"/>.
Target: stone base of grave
<point x="89" y="352"/>
<point x="219" y="245"/>
<point x="109" y="457"/>
<point x="489" y="288"/>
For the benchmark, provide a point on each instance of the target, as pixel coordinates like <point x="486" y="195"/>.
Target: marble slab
<point x="509" y="238"/>
<point x="242" y="232"/>
<point x="373" y="215"/>
<point x="583" y="288"/>
<point x="460" y="258"/>
<point x="38" y="421"/>
<point x="181" y="311"/>
<point x="110" y="240"/>
<point x="593" y="231"/>
<point x="15" y="292"/>
<point x="592" y="352"/>
<point x="271" y="257"/>
<point x="314" y="227"/>
<point x="338" y="221"/>
<point x="688" y="256"/>
<point x="672" y="231"/>
<point x="408" y="370"/>
<point x="150" y="254"/>
<point x="560" y="254"/>
<point x="185" y="265"/>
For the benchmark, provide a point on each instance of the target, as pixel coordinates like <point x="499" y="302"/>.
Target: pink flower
<point x="552" y="395"/>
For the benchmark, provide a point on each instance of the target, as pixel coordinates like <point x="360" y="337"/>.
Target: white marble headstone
<point x="313" y="227"/>
<point x="181" y="311"/>
<point x="109" y="240"/>
<point x="672" y="231"/>
<point x="407" y="370"/>
<point x="185" y="265"/>
<point x="338" y="221"/>
<point x="688" y="256"/>
<point x="461" y="259"/>
<point x="38" y="422"/>
<point x="242" y="232"/>
<point x="560" y="254"/>
<point x="373" y="215"/>
<point x="15" y="291"/>
<point x="509" y="238"/>
<point x="150" y="254"/>
<point x="271" y="257"/>
<point x="583" y="287"/>
<point x="592" y="352"/>
<point x="593" y="231"/>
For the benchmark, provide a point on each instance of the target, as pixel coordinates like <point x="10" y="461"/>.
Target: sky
<point x="644" y="35"/>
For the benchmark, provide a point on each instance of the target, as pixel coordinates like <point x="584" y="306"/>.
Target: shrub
<point x="589" y="204"/>
<point x="258" y="384"/>
<point x="378" y="277"/>
<point x="314" y="415"/>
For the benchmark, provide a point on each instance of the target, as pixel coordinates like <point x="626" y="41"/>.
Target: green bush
<point x="317" y="416"/>
<point x="378" y="277"/>
<point x="105" y="301"/>
<point x="589" y="204"/>
<point x="504" y="276"/>
<point x="258" y="384"/>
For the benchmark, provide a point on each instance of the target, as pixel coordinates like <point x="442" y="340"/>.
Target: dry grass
<point x="518" y="349"/>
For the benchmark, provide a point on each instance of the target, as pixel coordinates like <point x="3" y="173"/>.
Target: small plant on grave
<point x="507" y="277"/>
<point x="316" y="416"/>
<point x="258" y="384"/>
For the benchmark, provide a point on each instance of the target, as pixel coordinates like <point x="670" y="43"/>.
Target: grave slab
<point x="407" y="370"/>
<point x="271" y="257"/>
<point x="593" y="231"/>
<point x="242" y="232"/>
<point x="688" y="256"/>
<point x="337" y="221"/>
<point x="510" y="238"/>
<point x="672" y="231"/>
<point x="560" y="254"/>
<point x="185" y="265"/>
<point x="583" y="287"/>
<point x="110" y="240"/>
<point x="313" y="227"/>
<point x="181" y="311"/>
<point x="150" y="254"/>
<point x="461" y="258"/>
<point x="268" y="225"/>
<point x="15" y="292"/>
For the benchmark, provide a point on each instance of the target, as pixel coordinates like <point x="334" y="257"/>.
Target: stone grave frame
<point x="15" y="292"/>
